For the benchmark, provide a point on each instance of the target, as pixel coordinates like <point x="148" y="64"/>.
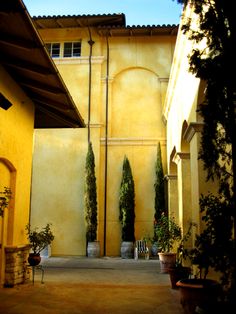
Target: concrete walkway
<point x="94" y="286"/>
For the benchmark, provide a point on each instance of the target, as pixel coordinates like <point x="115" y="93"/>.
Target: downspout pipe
<point x="106" y="146"/>
<point x="91" y="43"/>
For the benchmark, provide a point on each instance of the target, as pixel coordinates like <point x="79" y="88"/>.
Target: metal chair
<point x="141" y="248"/>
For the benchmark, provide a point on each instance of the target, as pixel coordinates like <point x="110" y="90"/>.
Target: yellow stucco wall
<point x="184" y="124"/>
<point x="138" y="76"/>
<point x="16" y="146"/>
<point x="181" y="117"/>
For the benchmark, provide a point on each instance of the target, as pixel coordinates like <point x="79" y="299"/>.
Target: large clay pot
<point x="127" y="249"/>
<point x="198" y="295"/>
<point x="167" y="260"/>
<point x="34" y="259"/>
<point x="177" y="273"/>
<point x="93" y="249"/>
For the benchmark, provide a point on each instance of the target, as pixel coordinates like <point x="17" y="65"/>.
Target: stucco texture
<point x="137" y="80"/>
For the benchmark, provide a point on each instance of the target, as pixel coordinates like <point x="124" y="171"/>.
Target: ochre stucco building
<point x="133" y="90"/>
<point x="28" y="80"/>
<point x="118" y="76"/>
<point x="186" y="176"/>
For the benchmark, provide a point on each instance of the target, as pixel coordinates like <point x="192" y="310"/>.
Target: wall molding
<point x="133" y="141"/>
<point x="79" y="60"/>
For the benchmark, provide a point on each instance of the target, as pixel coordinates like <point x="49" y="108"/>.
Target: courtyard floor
<point x="74" y="285"/>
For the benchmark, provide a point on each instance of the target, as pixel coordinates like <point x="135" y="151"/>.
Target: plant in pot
<point x="39" y="240"/>
<point x="212" y="251"/>
<point x="168" y="233"/>
<point x="127" y="213"/>
<point x="180" y="270"/>
<point x="90" y="202"/>
<point x="5" y="197"/>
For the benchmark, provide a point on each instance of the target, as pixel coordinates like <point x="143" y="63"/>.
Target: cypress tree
<point x="127" y="202"/>
<point x="160" y="207"/>
<point x="90" y="196"/>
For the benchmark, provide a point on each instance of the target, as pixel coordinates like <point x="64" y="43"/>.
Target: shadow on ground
<point x="85" y="285"/>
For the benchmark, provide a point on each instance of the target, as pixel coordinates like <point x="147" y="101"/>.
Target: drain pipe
<point x="106" y="148"/>
<point x="90" y="42"/>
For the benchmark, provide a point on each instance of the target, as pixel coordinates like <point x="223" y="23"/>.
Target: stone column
<point x="184" y="189"/>
<point x="16" y="270"/>
<point x="198" y="183"/>
<point x="172" y="186"/>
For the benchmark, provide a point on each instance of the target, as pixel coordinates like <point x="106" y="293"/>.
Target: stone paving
<point x="94" y="286"/>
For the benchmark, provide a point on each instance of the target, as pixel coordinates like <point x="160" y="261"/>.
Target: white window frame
<point x="73" y="54"/>
<point x="49" y="47"/>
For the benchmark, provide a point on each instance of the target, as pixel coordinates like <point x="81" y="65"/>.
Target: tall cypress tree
<point x="90" y="196"/>
<point x="159" y="186"/>
<point x="127" y="202"/>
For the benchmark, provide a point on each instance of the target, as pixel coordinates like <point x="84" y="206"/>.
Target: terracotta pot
<point x="178" y="273"/>
<point x="34" y="259"/>
<point x="167" y="260"/>
<point x="198" y="295"/>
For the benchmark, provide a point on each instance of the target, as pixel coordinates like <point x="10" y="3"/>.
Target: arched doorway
<point x="8" y="178"/>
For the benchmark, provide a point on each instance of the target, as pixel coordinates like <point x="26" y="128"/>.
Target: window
<point x="72" y="49"/>
<point x="66" y="50"/>
<point x="53" y="49"/>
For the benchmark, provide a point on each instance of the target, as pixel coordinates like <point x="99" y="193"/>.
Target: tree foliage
<point x="39" y="240"/>
<point x="214" y="63"/>
<point x="168" y="232"/>
<point x="90" y="196"/>
<point x="127" y="202"/>
<point x="5" y="197"/>
<point x="159" y="187"/>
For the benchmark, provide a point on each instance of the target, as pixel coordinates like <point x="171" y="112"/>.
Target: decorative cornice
<point x="169" y="177"/>
<point x="133" y="141"/>
<point x="164" y="79"/>
<point x="104" y="79"/>
<point x="79" y="60"/>
<point x="95" y="125"/>
<point x="193" y="128"/>
<point x="180" y="156"/>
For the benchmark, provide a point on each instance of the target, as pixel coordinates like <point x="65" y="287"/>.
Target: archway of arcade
<point x="186" y="175"/>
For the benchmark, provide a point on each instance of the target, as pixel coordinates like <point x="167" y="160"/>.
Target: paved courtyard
<point x="94" y="286"/>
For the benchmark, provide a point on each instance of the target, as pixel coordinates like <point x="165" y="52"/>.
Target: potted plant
<point x="211" y="251"/>
<point x="90" y="200"/>
<point x="168" y="233"/>
<point x="39" y="240"/>
<point x="127" y="213"/>
<point x="4" y="199"/>
<point x="180" y="270"/>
